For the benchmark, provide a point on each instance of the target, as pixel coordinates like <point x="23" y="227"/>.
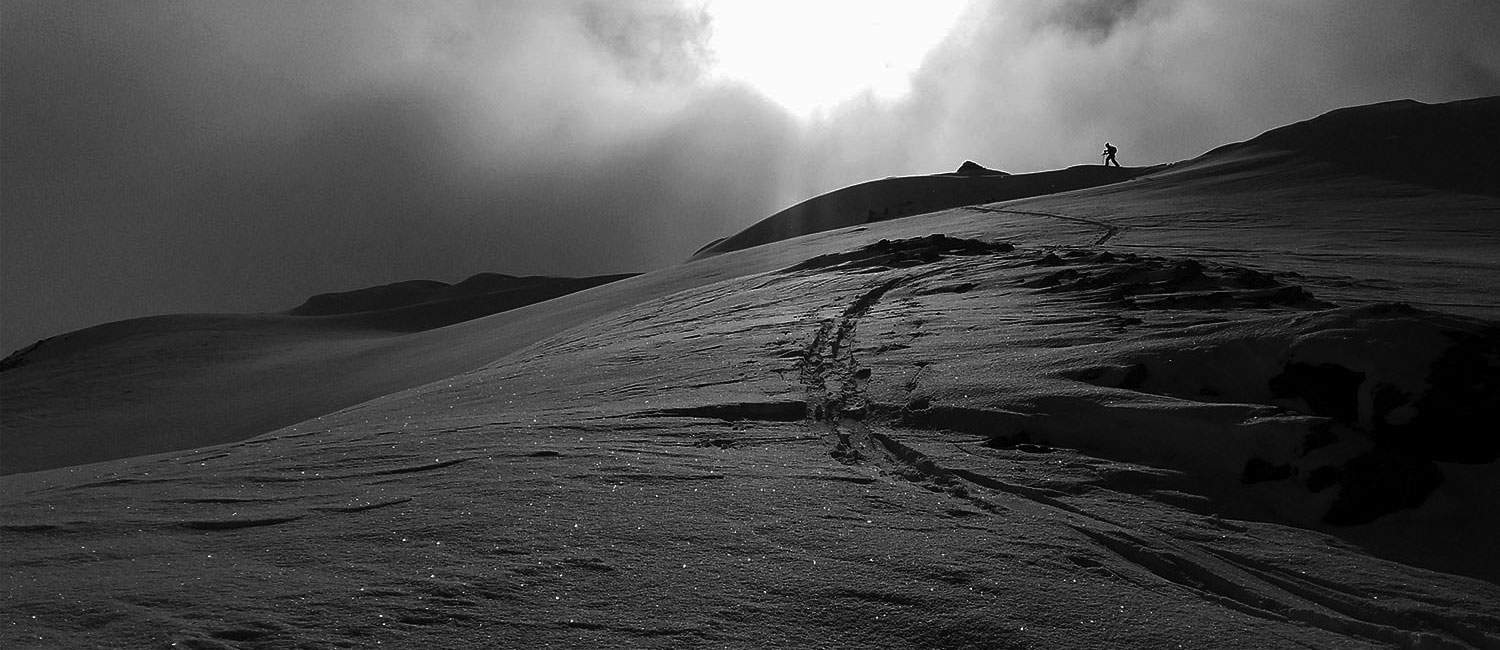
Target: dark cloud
<point x="229" y="155"/>
<point x="1093" y="19"/>
<point x="234" y="156"/>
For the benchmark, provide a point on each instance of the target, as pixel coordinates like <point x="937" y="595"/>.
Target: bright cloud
<point x="810" y="56"/>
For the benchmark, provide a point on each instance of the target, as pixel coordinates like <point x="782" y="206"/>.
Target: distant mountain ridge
<point x="413" y="292"/>
<point x="417" y="305"/>
<point x="163" y="383"/>
<point x="384" y="296"/>
<point x="408" y="306"/>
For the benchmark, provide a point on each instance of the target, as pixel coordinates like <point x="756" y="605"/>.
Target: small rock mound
<point x="971" y="168"/>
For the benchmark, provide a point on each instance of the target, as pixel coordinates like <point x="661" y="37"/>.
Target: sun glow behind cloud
<point x="810" y="56"/>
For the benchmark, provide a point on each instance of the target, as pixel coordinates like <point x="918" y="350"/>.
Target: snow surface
<point x="168" y="383"/>
<point x="1244" y="402"/>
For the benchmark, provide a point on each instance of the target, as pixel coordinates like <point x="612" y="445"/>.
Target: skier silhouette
<point x="1109" y="155"/>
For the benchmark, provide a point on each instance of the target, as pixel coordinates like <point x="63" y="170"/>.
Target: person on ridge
<point x="1109" y="155"/>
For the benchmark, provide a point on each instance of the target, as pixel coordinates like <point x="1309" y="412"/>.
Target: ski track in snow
<point x="837" y="402"/>
<point x="1110" y="230"/>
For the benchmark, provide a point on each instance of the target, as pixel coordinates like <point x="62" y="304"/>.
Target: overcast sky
<point x="240" y="155"/>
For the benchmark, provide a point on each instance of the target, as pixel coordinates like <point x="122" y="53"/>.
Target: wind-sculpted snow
<point x="886" y="254"/>
<point x="1394" y="390"/>
<point x="1131" y="281"/>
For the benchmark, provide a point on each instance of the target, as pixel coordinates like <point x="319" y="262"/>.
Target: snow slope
<point x="1243" y="402"/>
<point x="166" y="383"/>
<point x="902" y="196"/>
